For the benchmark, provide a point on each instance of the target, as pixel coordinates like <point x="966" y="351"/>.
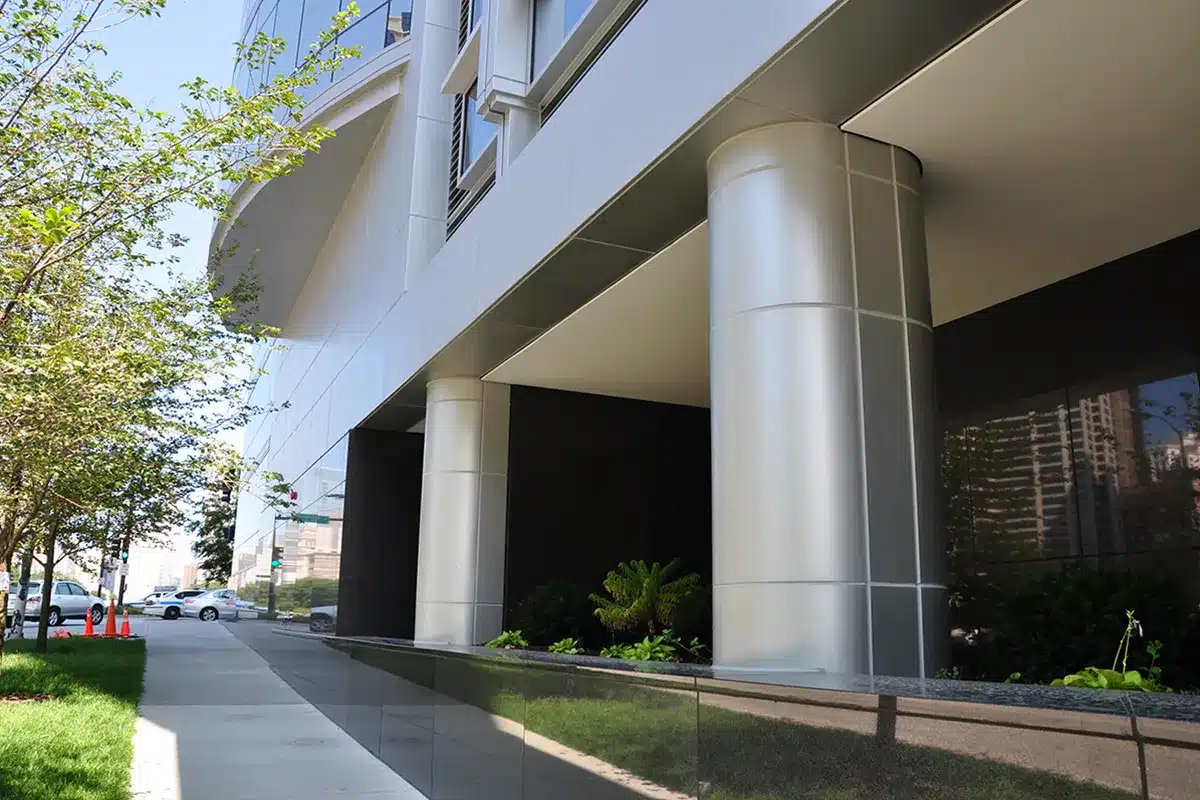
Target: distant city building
<point x="1165" y="457"/>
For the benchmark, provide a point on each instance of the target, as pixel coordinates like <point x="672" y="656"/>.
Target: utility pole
<point x="271" y="576"/>
<point x="124" y="555"/>
<point x="103" y="557"/>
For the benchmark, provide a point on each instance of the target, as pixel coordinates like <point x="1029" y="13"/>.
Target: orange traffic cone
<point x="124" y="623"/>
<point x="110" y="624"/>
<point x="88" y="631"/>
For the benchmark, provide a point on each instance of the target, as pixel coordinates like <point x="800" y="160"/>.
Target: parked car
<point x="323" y="619"/>
<point x="169" y="606"/>
<point x="214" y="605"/>
<point x="68" y="600"/>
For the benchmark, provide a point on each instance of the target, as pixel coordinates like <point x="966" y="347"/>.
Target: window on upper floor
<point x="287" y="27"/>
<point x="568" y="38"/>
<point x="372" y="31"/>
<point x="399" y="22"/>
<point x="553" y="22"/>
<point x="268" y="16"/>
<point x="476" y="12"/>
<point x="470" y="13"/>
<point x="473" y="156"/>
<point x="317" y="17"/>
<point x="477" y="133"/>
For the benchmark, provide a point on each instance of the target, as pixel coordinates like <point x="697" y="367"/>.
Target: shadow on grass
<point x="79" y="745"/>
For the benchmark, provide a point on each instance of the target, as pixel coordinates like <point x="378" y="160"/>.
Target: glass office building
<point x="878" y="317"/>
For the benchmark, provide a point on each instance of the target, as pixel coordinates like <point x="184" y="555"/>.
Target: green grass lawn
<point x="79" y="745"/>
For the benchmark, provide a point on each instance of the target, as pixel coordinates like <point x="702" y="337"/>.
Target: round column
<point x="824" y="464"/>
<point x="464" y="489"/>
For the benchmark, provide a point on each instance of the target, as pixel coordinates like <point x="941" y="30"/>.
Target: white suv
<point x="68" y="600"/>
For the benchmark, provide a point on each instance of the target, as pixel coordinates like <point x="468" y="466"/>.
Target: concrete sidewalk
<point x="216" y="722"/>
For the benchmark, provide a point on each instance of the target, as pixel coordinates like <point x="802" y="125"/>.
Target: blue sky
<point x="193" y="38"/>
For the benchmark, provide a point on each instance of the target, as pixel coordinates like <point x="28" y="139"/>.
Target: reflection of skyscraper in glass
<point x="1105" y="438"/>
<point x="1046" y="483"/>
<point x="1021" y="478"/>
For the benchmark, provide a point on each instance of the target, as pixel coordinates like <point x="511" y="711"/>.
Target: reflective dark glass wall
<point x="308" y="538"/>
<point x="1069" y="422"/>
<point x="300" y="23"/>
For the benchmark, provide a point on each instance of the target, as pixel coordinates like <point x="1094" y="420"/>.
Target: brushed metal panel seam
<point x="912" y="438"/>
<point x="861" y="411"/>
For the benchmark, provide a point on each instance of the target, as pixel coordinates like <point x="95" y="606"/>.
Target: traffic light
<point x="228" y="533"/>
<point x="124" y="555"/>
<point x="276" y="557"/>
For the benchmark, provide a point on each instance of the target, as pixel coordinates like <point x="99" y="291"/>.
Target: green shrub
<point x="1096" y="678"/>
<point x="1125" y="679"/>
<point x="566" y="647"/>
<point x="508" y="640"/>
<point x="658" y="648"/>
<point x="1047" y="623"/>
<point x="559" y="611"/>
<point x="643" y="598"/>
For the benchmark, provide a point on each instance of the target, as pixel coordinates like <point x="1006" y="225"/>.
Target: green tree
<point x="214" y="525"/>
<point x="643" y="597"/>
<point x="109" y="357"/>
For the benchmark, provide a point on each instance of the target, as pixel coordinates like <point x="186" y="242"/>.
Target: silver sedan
<point x="211" y="606"/>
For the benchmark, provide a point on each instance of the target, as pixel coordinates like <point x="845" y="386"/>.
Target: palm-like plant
<point x="643" y="597"/>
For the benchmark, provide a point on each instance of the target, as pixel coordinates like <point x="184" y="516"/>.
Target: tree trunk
<point x="18" y="630"/>
<point x="8" y="529"/>
<point x="47" y="591"/>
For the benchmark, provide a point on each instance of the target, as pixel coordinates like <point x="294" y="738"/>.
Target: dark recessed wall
<point x="1139" y="312"/>
<point x="378" y="587"/>
<point x="596" y="480"/>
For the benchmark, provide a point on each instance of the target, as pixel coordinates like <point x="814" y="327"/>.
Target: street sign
<point x="124" y="569"/>
<point x="4" y="582"/>
<point x="106" y="580"/>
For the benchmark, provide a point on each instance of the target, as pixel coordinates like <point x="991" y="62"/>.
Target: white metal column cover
<point x="824" y="461"/>
<point x="460" y="563"/>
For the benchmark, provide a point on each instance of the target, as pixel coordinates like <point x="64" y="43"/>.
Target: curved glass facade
<point x="307" y="543"/>
<point x="380" y="24"/>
